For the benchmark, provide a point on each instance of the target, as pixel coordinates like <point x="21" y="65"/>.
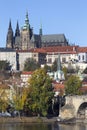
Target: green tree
<point x="73" y="85"/>
<point x="64" y="69"/>
<point x="4" y="65"/>
<point x="40" y="92"/>
<point x="31" y="65"/>
<point x="47" y="68"/>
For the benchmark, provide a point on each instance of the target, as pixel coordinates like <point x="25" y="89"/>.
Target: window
<point x="35" y="55"/>
<point x="83" y="57"/>
<point x="49" y="60"/>
<point x="64" y="60"/>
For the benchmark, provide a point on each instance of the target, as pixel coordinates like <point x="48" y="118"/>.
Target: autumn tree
<point x="18" y="98"/>
<point x="73" y="85"/>
<point x="31" y="65"/>
<point x="40" y="92"/>
<point x="4" y="100"/>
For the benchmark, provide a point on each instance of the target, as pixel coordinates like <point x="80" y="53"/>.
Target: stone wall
<point x="67" y="112"/>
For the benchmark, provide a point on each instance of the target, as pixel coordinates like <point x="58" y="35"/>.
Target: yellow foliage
<point x="19" y="99"/>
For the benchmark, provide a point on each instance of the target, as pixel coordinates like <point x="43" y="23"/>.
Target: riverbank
<point x="27" y="120"/>
<point x="73" y="121"/>
<point x="40" y="120"/>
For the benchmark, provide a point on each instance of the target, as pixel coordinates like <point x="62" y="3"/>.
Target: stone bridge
<point x="75" y="106"/>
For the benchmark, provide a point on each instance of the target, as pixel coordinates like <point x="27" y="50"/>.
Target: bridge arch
<point x="82" y="110"/>
<point x="79" y="104"/>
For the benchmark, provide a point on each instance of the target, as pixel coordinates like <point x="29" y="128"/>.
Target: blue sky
<point x="56" y="16"/>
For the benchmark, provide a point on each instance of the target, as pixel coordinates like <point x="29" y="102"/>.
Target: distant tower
<point x="25" y="34"/>
<point x="40" y="31"/>
<point x="17" y="37"/>
<point x="59" y="75"/>
<point x="10" y="38"/>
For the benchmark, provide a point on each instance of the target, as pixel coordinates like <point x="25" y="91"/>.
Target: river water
<point x="54" y="126"/>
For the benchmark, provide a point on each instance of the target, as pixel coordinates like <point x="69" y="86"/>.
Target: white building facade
<point x="10" y="56"/>
<point x="22" y="56"/>
<point x="75" y="55"/>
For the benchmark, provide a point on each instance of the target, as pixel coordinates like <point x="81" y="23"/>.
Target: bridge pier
<point x="75" y="107"/>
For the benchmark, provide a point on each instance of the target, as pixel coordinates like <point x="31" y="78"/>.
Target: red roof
<point x="39" y="50"/>
<point x="82" y="49"/>
<point x="61" y="49"/>
<point x="83" y="89"/>
<point x="58" y="86"/>
<point x="56" y="49"/>
<point x="27" y="72"/>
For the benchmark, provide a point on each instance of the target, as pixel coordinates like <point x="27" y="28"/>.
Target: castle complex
<point x="25" y="39"/>
<point x="44" y="49"/>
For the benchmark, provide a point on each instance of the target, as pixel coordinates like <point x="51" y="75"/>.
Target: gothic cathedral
<point x="22" y="37"/>
<point x="25" y="39"/>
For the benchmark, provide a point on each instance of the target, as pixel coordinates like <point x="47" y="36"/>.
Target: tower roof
<point x="10" y="27"/>
<point x="40" y="30"/>
<point x="9" y="39"/>
<point x="17" y="31"/>
<point x="26" y="24"/>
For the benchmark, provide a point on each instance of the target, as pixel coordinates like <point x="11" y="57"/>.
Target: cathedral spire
<point x="27" y="19"/>
<point x="10" y="39"/>
<point x="26" y="25"/>
<point x="17" y="31"/>
<point x="10" y="26"/>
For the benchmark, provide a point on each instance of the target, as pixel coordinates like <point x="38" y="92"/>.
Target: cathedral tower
<point x="17" y="37"/>
<point x="25" y="34"/>
<point x="10" y="37"/>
